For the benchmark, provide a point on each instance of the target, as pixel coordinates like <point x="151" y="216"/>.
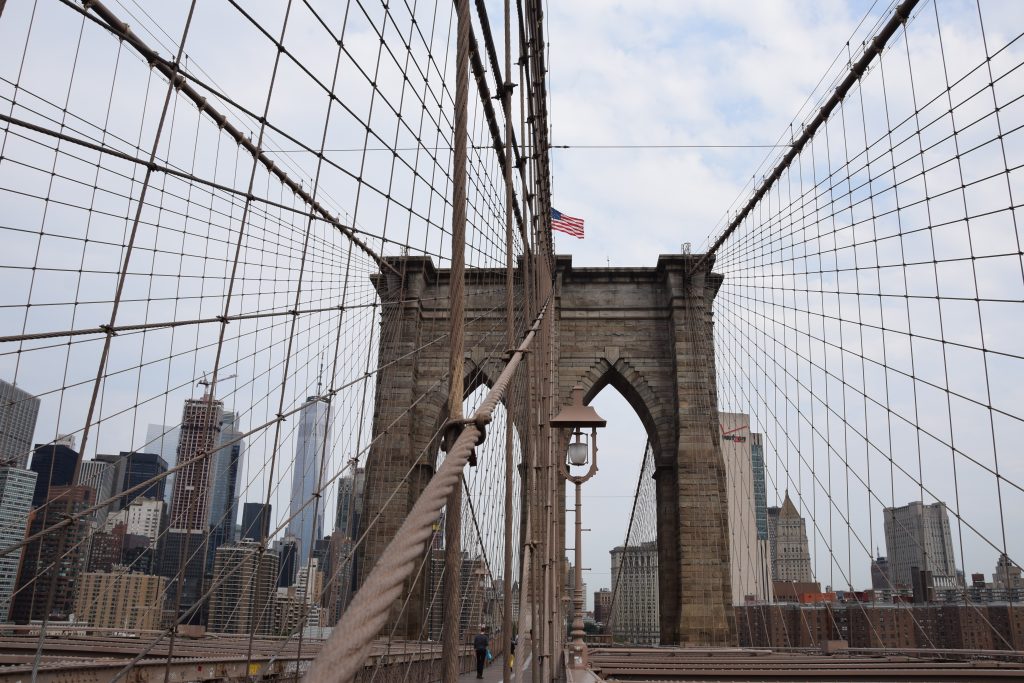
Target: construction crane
<point x="206" y="383"/>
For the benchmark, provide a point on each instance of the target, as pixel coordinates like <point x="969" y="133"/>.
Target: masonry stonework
<point x="645" y="331"/>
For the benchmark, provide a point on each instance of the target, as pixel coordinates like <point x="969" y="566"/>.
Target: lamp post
<point x="582" y="449"/>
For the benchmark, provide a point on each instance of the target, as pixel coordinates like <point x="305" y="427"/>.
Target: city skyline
<point x="734" y="427"/>
<point x="332" y="511"/>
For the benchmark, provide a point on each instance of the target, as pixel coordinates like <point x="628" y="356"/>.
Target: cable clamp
<point x="509" y="353"/>
<point x="453" y="430"/>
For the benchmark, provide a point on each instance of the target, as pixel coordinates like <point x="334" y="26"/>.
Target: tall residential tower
<point x="185" y="545"/>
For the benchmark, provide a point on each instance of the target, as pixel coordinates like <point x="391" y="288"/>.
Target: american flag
<point x="566" y="224"/>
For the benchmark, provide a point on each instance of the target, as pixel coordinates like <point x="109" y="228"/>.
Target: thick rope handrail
<point x="346" y="650"/>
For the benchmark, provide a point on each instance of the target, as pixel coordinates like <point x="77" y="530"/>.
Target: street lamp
<point x="582" y="448"/>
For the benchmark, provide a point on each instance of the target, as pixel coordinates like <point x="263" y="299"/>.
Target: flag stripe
<point x="567" y="224"/>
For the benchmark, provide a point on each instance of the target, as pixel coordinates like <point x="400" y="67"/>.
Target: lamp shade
<point x="579" y="453"/>
<point x="577" y="415"/>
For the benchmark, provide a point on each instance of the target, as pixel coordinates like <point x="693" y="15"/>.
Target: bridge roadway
<point x="736" y="664"/>
<point x="97" y="659"/>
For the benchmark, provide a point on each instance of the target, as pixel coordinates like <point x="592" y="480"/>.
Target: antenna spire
<point x="320" y="378"/>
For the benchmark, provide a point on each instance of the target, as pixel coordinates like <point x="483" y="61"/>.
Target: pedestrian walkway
<point x="492" y="672"/>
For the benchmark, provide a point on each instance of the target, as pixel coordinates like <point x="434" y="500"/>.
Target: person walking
<point x="480" y="643"/>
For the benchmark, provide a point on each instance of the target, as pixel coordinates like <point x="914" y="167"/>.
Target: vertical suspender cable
<point x="456" y="295"/>
<point x="510" y="332"/>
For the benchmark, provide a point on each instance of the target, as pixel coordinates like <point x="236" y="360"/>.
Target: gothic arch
<point x="629" y="382"/>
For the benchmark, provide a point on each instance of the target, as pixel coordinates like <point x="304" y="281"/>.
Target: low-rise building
<point x="120" y="600"/>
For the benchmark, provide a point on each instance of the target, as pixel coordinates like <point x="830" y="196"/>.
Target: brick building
<point x="883" y="625"/>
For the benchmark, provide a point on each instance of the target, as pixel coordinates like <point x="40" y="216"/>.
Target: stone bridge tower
<point x="647" y="332"/>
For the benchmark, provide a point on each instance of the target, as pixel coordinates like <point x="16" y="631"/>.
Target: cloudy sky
<point x="684" y="73"/>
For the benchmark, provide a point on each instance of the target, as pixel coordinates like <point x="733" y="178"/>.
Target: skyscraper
<point x="55" y="464"/>
<point x="791" y="556"/>
<point x="18" y="412"/>
<point x="473" y="589"/>
<point x="338" y="570"/>
<point x="288" y="552"/>
<point x="760" y="485"/>
<point x="163" y="440"/>
<point x="185" y="544"/>
<point x="16" y="487"/>
<point x="764" y="551"/>
<point x="255" y="521"/>
<point x="200" y="431"/>
<point x="242" y="603"/>
<point x="880" y="579"/>
<point x="225" y="471"/>
<point x="295" y="608"/>
<point x="142" y="518"/>
<point x="634" y="613"/>
<point x="435" y="592"/>
<point x="100" y="477"/>
<point x="105" y="548"/>
<point x="118" y="464"/>
<point x="917" y="535"/>
<point x="141" y="467"/>
<point x="748" y="572"/>
<point x="307" y="524"/>
<point x="51" y="564"/>
<point x="570" y="582"/>
<point x="350" y="503"/>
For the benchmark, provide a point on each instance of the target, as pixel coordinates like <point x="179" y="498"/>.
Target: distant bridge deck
<point x="97" y="659"/>
<point x="735" y="664"/>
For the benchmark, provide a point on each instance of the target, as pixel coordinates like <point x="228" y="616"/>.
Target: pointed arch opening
<point x="619" y="503"/>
